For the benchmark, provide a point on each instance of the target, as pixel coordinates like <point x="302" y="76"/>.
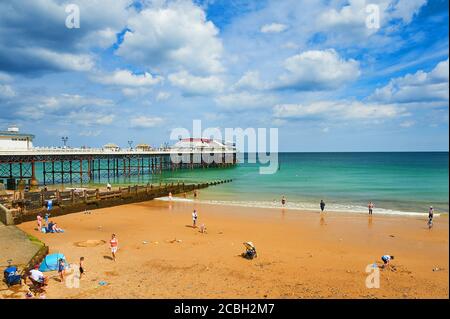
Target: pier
<point x="80" y="166"/>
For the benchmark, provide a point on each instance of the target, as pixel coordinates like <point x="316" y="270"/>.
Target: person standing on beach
<point x="114" y="243"/>
<point x="322" y="205"/>
<point x="39" y="222"/>
<point x="283" y="201"/>
<point x="61" y="269"/>
<point x="170" y="195"/>
<point x="47" y="215"/>
<point x="81" y="266"/>
<point x="195" y="193"/>
<point x="370" y="206"/>
<point x="430" y="217"/>
<point x="194" y="218"/>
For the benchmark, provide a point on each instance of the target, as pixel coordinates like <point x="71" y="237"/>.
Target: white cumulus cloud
<point x="173" y="34"/>
<point x="318" y="70"/>
<point x="145" y="121"/>
<point x="273" y="28"/>
<point x="418" y="87"/>
<point x="196" y="85"/>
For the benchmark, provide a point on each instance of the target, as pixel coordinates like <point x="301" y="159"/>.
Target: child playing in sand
<point x="81" y="266"/>
<point x="194" y="218"/>
<point x="61" y="269"/>
<point x="386" y="260"/>
<point x="114" y="243"/>
<point x="203" y="229"/>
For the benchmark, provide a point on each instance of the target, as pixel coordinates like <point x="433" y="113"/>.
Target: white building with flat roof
<point x="12" y="139"/>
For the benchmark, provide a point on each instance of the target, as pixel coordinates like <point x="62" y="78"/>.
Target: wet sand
<point x="300" y="254"/>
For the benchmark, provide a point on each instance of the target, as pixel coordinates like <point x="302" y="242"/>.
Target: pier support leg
<point x="34" y="182"/>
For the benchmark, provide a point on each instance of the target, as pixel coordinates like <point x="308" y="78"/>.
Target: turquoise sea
<point x="406" y="182"/>
<point x="397" y="182"/>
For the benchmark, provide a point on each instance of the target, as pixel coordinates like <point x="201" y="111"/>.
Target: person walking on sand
<point x="283" y="201"/>
<point x="170" y="195"/>
<point x="114" y="243"/>
<point x="81" y="268"/>
<point x="371" y="206"/>
<point x="194" y="218"/>
<point x="322" y="205"/>
<point x="61" y="269"/>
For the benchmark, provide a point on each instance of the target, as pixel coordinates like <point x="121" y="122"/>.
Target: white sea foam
<point x="340" y="208"/>
<point x="174" y="199"/>
<point x="301" y="206"/>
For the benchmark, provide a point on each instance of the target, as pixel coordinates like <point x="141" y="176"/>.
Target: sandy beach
<point x="300" y="254"/>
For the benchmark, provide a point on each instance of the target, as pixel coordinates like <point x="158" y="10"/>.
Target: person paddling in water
<point x="430" y="217"/>
<point x="370" y="206"/>
<point x="283" y="201"/>
<point x="322" y="205"/>
<point x="114" y="243"/>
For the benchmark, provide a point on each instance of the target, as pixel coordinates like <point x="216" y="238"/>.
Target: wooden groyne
<point x="71" y="201"/>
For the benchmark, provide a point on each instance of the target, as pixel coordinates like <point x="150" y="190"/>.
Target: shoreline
<point x="289" y="206"/>
<point x="307" y="255"/>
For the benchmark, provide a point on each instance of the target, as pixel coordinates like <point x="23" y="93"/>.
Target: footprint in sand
<point x="90" y="243"/>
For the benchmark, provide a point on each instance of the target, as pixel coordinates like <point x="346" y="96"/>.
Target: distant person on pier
<point x="322" y="205"/>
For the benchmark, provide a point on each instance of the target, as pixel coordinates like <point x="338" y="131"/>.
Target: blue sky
<point x="135" y="70"/>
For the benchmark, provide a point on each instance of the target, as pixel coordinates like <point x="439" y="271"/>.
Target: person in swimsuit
<point x="194" y="218"/>
<point x="322" y="205"/>
<point x="81" y="266"/>
<point x="61" y="269"/>
<point x="114" y="243"/>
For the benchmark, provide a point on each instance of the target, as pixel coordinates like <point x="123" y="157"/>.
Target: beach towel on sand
<point x="50" y="262"/>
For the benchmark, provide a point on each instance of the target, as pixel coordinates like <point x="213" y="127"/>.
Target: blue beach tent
<point x="50" y="262"/>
